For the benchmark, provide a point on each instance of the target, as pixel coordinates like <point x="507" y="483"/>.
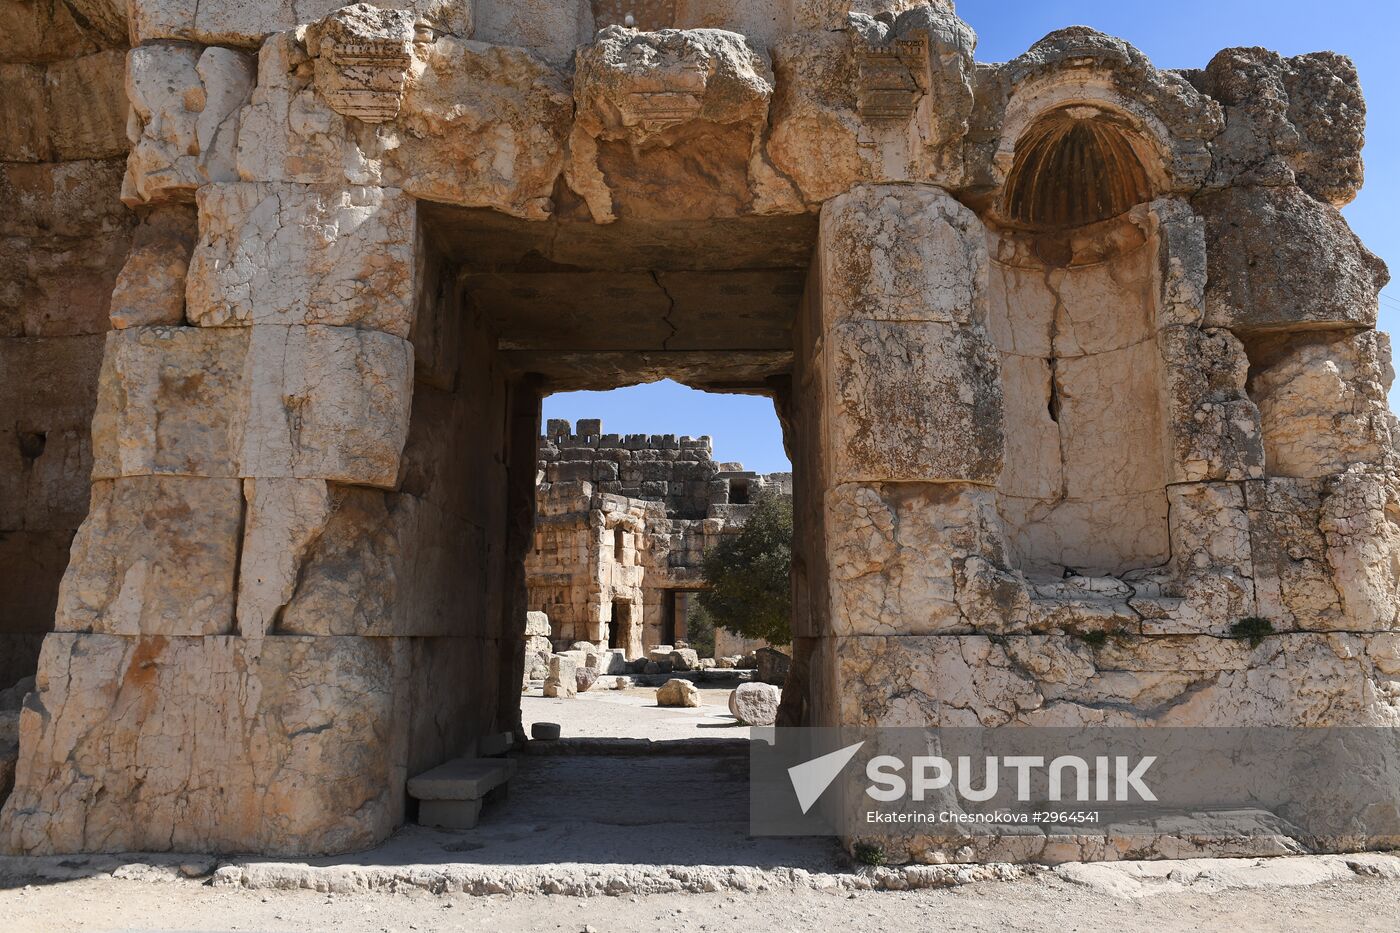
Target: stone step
<point x="462" y="779"/>
<point x="449" y="814"/>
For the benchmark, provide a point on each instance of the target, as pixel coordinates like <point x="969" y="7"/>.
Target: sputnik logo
<point x="811" y="778"/>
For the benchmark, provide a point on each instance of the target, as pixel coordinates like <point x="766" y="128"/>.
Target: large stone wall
<point x="1027" y="403"/>
<point x="63" y="238"/>
<point x="622" y="526"/>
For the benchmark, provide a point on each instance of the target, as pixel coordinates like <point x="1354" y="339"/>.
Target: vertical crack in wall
<point x="670" y="310"/>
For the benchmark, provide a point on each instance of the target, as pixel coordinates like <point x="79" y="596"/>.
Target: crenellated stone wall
<point x="623" y="523"/>
<point x="1025" y="403"/>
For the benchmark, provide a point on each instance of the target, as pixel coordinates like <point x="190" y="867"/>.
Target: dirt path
<point x="1044" y="903"/>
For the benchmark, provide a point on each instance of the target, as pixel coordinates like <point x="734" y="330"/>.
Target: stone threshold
<point x="1124" y="880"/>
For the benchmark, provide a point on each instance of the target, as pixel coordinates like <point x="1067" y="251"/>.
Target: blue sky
<point x="1176" y="34"/>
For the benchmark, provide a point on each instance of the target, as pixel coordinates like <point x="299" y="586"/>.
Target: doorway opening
<point x="609" y="511"/>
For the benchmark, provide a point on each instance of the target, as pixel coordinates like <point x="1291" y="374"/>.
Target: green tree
<point x="747" y="574"/>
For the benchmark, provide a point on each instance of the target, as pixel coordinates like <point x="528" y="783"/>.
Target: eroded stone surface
<point x="296" y="254"/>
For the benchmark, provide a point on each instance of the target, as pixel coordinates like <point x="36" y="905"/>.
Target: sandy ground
<point x="1040" y="904"/>
<point x="633" y="713"/>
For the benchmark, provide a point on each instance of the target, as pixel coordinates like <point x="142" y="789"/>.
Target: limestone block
<point x="670" y="124"/>
<point x="58" y="286"/>
<point x="536" y="625"/>
<point x="298" y="254"/>
<point x="185" y="110"/>
<point x="150" y="289"/>
<point x="755" y="704"/>
<point x="485" y="127"/>
<point x="684" y="659"/>
<point x="902" y="254"/>
<point x="47" y="391"/>
<point x="284" y="518"/>
<point x="247" y="22"/>
<point x="1302" y="680"/>
<point x="914" y="402"/>
<point x="311" y="758"/>
<point x="1322" y="404"/>
<point x="816" y="135"/>
<point x="462" y="779"/>
<point x="1287" y="120"/>
<point x="38" y="32"/>
<point x="66" y="199"/>
<point x="105" y="19"/>
<point x="1360" y="519"/>
<point x="1292" y="577"/>
<point x="326" y="403"/>
<point x="1181" y="262"/>
<point x="549" y="29"/>
<point x="156" y="555"/>
<point x="288" y="133"/>
<point x="898" y="554"/>
<point x="1211" y="554"/>
<point x="291" y="402"/>
<point x="562" y="681"/>
<point x="23" y="114"/>
<point x="1214" y="426"/>
<point x="677" y="692"/>
<point x="1280" y="260"/>
<point x="380" y="564"/>
<point x="363" y="54"/>
<point x="87" y="107"/>
<point x="171" y="400"/>
<point x="449" y="814"/>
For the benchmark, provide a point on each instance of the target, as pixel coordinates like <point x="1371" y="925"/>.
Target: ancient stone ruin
<point x="1066" y="346"/>
<point x="621" y="527"/>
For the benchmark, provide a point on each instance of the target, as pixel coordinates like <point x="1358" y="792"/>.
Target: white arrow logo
<point x="811" y="778"/>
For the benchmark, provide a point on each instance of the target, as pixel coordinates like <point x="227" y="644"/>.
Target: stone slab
<point x="461" y="779"/>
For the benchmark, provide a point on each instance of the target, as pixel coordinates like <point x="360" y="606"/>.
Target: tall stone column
<point x="911" y="426"/>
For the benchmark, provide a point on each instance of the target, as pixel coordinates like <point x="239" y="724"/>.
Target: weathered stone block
<point x="898" y="553"/>
<point x="902" y="254"/>
<point x="1280" y="260"/>
<point x="1214" y="427"/>
<point x="1298" y="680"/>
<point x="1292" y="577"/>
<point x="248" y="22"/>
<point x="58" y="286"/>
<point x="87" y="108"/>
<point x="284" y="517"/>
<point x="1297" y="119"/>
<point x="1322" y="404"/>
<point x="486" y="127"/>
<point x="151" y="286"/>
<point x="914" y="402"/>
<point x="171" y="400"/>
<point x="1360" y="519"/>
<point x="297" y="254"/>
<point x="377" y="564"/>
<point x="63" y="199"/>
<point x="677" y="692"/>
<point x="563" y="677"/>
<point x="669" y="124"/>
<point x="327" y="403"/>
<point x="755" y="704"/>
<point x="156" y="555"/>
<point x="186" y="103"/>
<point x="23" y="114"/>
<point x="47" y="390"/>
<point x="327" y="714"/>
